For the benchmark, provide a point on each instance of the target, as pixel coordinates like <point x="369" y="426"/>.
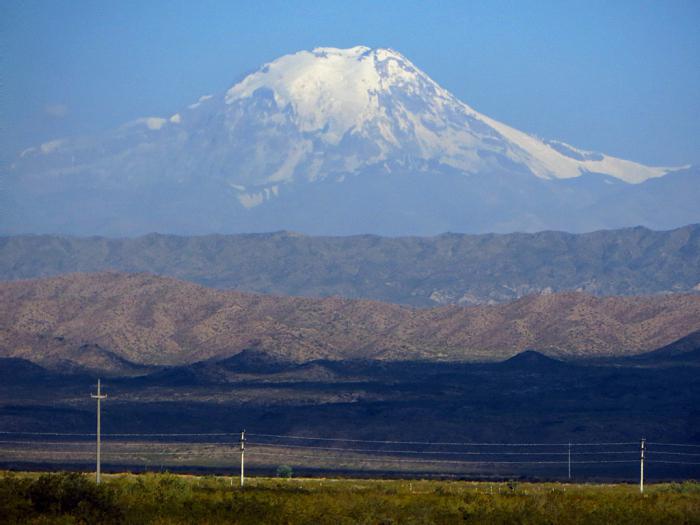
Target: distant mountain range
<point x="419" y="271"/>
<point x="123" y="324"/>
<point x="333" y="141"/>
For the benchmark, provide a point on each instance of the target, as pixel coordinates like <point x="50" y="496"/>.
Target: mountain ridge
<point x="419" y="271"/>
<point x="155" y="321"/>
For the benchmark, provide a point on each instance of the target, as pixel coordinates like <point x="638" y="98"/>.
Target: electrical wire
<point x="216" y="449"/>
<point x="674" y="462"/>
<point x="47" y="442"/>
<point x="673" y="444"/>
<point x="105" y="435"/>
<point x="5" y="432"/>
<point x="234" y="434"/>
<point x="652" y="452"/>
<point x="444" y="452"/>
<point x="391" y="460"/>
<point x="441" y="443"/>
<point x="107" y="451"/>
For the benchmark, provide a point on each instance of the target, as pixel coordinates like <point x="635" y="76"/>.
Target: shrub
<point x="73" y="493"/>
<point x="284" y="471"/>
<point x="161" y="499"/>
<point x="14" y="500"/>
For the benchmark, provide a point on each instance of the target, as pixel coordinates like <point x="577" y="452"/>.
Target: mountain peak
<point x="331" y="91"/>
<point x="310" y="129"/>
<point x="375" y="105"/>
<point x="350" y="51"/>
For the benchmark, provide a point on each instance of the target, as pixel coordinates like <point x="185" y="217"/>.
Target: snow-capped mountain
<point x="334" y="141"/>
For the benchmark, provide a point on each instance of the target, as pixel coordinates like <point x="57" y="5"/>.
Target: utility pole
<point x="569" y="460"/>
<point x="242" y="458"/>
<point x="99" y="397"/>
<point x="641" y="466"/>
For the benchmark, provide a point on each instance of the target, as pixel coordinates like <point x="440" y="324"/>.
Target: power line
<point x="379" y="450"/>
<point x="4" y="432"/>
<point x="673" y="444"/>
<point x="46" y="442"/>
<point x="114" y="442"/>
<point x="442" y="443"/>
<point x="350" y="440"/>
<point x="443" y="452"/>
<point x="232" y="434"/>
<point x="117" y="453"/>
<point x="652" y="452"/>
<point x="392" y="460"/>
<point x="209" y="447"/>
<point x="176" y="450"/>
<point x="110" y="452"/>
<point x="673" y="462"/>
<point x="36" y="451"/>
<point x="93" y="434"/>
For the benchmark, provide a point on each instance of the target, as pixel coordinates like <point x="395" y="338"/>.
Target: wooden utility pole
<point x="569" y="459"/>
<point x="242" y="458"/>
<point x="99" y="397"/>
<point x="641" y="466"/>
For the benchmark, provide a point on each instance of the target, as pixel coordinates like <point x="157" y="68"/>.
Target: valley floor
<point x="169" y="498"/>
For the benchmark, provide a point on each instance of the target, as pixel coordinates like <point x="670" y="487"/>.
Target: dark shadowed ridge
<point x="252" y="360"/>
<point x="686" y="349"/>
<point x="14" y="369"/>
<point x="532" y="361"/>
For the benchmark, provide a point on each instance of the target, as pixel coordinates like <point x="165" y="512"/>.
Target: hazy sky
<point x="619" y="77"/>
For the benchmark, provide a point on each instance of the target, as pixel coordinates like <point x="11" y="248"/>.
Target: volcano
<point x="334" y="142"/>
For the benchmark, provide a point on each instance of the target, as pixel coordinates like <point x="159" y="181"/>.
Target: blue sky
<point x="619" y="77"/>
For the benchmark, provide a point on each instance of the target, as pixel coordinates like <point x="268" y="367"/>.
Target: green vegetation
<point x="166" y="498"/>
<point x="284" y="471"/>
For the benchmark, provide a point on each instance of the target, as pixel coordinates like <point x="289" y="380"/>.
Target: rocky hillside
<point x="419" y="271"/>
<point x="118" y="322"/>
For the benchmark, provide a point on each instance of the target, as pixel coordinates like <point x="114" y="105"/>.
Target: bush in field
<point x="14" y="500"/>
<point x="72" y="493"/>
<point x="284" y="471"/>
<point x="686" y="487"/>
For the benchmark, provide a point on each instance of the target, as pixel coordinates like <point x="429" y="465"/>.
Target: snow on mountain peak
<point x="325" y="138"/>
<point x="332" y="111"/>
<point x="379" y="95"/>
<point x="330" y="90"/>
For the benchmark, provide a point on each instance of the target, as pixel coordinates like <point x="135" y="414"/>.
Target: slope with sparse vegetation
<point x="113" y="322"/>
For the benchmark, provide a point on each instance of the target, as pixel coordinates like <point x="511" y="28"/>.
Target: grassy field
<point x="167" y="498"/>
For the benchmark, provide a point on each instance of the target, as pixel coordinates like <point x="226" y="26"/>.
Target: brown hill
<point x="99" y="320"/>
